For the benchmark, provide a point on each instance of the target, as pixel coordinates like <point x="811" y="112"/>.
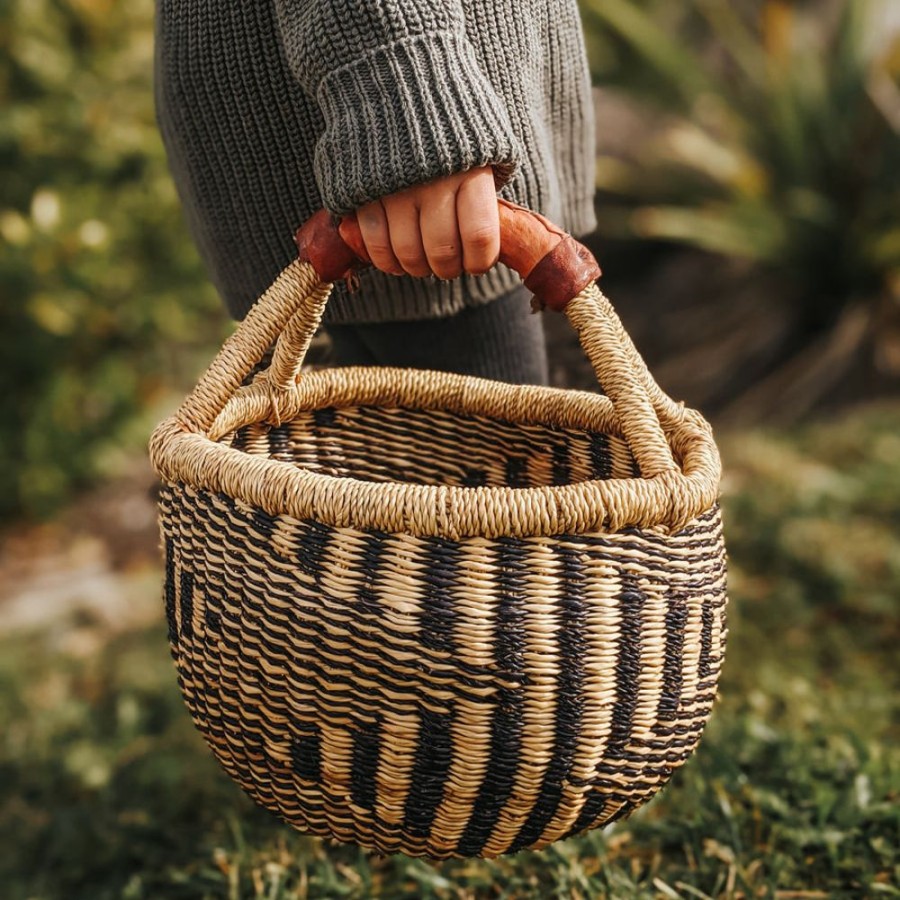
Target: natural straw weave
<point x="432" y="613"/>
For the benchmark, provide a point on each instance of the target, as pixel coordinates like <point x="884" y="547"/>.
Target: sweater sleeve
<point x="401" y="93"/>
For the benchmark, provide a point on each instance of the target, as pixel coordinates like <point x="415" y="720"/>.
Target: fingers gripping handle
<point x="554" y="266"/>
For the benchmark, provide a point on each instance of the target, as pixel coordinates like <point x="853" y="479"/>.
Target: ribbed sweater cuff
<point x="406" y="113"/>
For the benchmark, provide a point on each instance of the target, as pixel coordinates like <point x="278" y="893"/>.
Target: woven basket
<point x="435" y="614"/>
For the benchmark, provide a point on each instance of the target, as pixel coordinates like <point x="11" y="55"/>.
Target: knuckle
<point x="407" y="251"/>
<point x="480" y="260"/>
<point x="379" y="248"/>
<point x="482" y="238"/>
<point x="443" y="253"/>
<point x="414" y="264"/>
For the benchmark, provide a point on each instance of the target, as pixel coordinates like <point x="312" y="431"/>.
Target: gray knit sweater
<point x="271" y="109"/>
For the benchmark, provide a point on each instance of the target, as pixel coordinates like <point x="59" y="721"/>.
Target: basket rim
<point x="389" y="387"/>
<point x="669" y="500"/>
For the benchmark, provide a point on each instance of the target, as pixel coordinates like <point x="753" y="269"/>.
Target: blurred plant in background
<point x="102" y="293"/>
<point x="774" y="137"/>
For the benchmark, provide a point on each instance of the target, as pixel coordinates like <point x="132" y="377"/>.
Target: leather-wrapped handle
<point x="554" y="266"/>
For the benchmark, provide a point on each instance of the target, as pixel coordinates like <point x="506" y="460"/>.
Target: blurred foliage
<point x="782" y="144"/>
<point x="103" y="296"/>
<point x="106" y="790"/>
<point x="773" y="134"/>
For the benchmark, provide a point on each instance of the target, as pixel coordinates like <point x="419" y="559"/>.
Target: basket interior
<point x="437" y="447"/>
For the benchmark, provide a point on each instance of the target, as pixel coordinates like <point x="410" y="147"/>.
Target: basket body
<point x="430" y="613"/>
<point x="441" y="695"/>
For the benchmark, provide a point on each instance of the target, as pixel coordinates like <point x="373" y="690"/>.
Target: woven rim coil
<point x="435" y="614"/>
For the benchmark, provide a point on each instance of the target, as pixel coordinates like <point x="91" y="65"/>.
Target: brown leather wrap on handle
<point x="554" y="266"/>
<point x="319" y="242"/>
<point x="562" y="274"/>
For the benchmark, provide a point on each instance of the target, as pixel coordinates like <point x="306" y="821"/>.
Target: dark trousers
<point x="502" y="340"/>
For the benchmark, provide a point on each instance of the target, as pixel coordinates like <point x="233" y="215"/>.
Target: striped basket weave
<point x="435" y="614"/>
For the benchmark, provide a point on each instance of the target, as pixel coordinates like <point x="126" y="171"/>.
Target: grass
<point x="106" y="790"/>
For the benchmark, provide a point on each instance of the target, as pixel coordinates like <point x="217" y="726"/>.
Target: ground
<point x="106" y="790"/>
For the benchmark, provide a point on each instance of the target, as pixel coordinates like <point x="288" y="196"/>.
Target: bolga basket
<point x="436" y="614"/>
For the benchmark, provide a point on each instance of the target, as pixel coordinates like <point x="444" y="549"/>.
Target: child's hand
<point x="446" y="227"/>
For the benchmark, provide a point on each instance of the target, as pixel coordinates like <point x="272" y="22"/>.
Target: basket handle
<point x="556" y="268"/>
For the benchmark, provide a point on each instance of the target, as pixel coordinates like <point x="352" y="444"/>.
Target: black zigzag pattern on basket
<point x="570" y="700"/>
<point x="506" y="726"/>
<point x="348" y="697"/>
